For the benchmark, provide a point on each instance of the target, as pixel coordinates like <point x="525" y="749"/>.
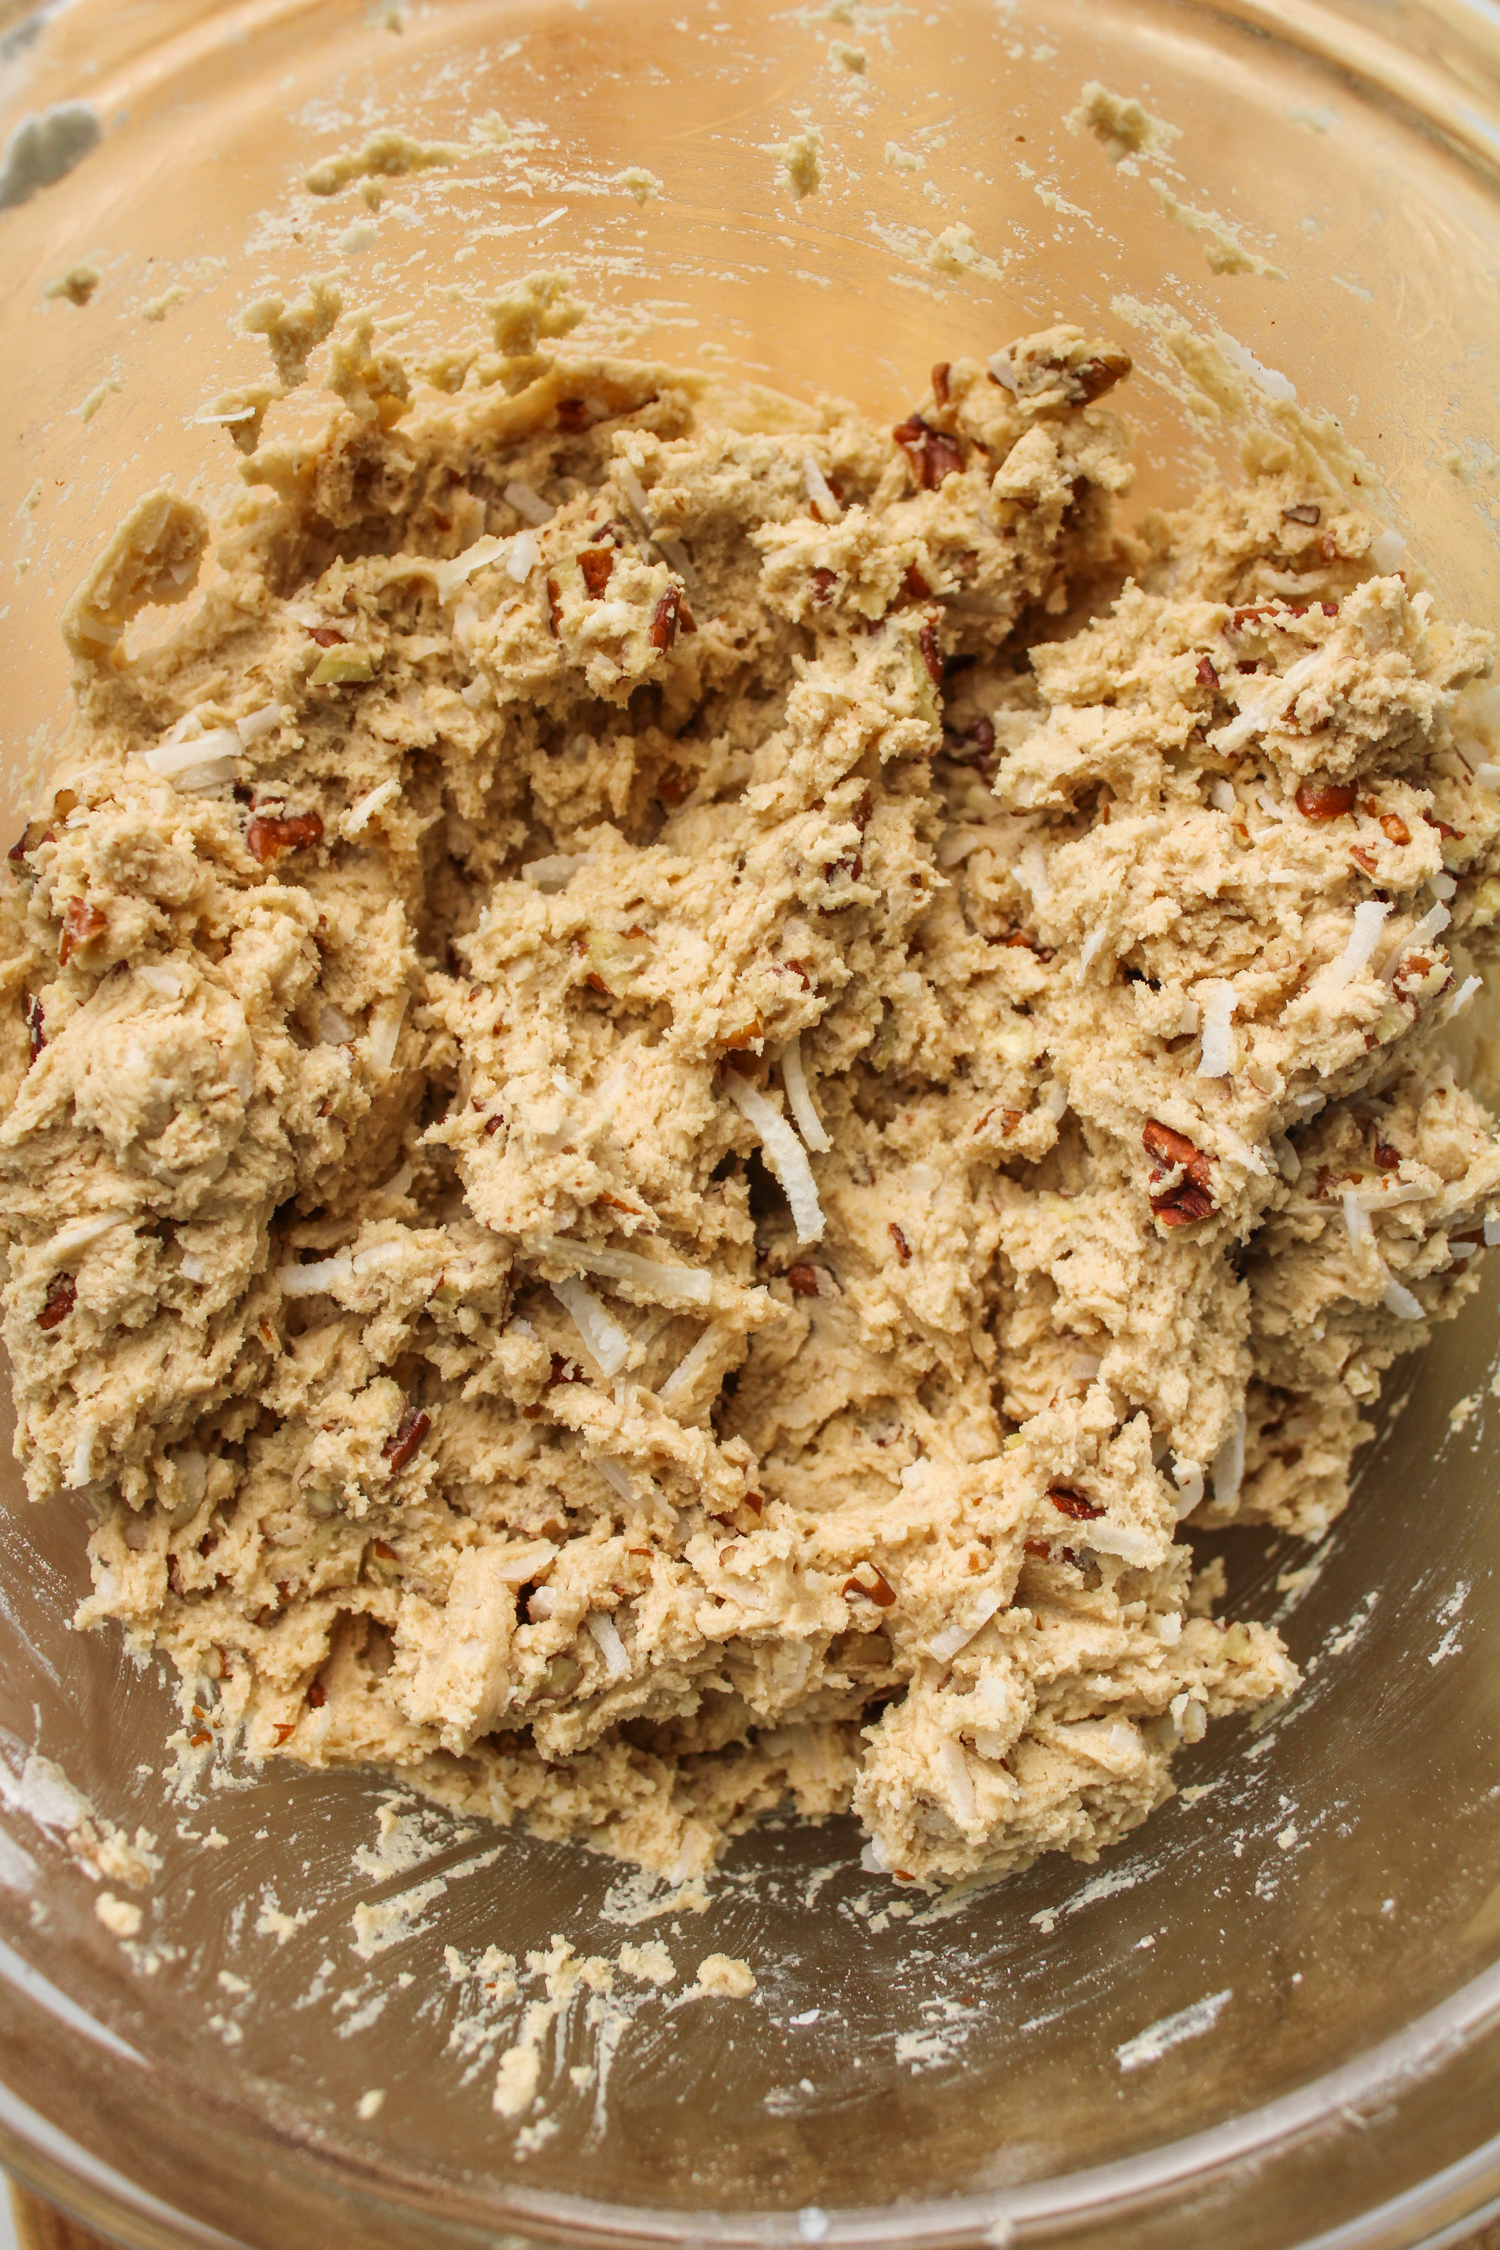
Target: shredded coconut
<point x="1369" y="917"/>
<point x="818" y="490"/>
<point x="1219" y="1003"/>
<point x="607" y="1636"/>
<point x="529" y="505"/>
<point x="650" y="1275"/>
<point x="799" y="1095"/>
<point x="784" y="1154"/>
<point x="605" y="1338"/>
<point x="1228" y="1468"/>
<point x="1399" y="1300"/>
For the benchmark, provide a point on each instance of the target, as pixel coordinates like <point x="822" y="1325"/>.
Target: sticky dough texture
<point x="984" y="807"/>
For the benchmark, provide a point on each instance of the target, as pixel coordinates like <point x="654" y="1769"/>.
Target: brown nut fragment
<point x="933" y="454"/>
<point x="670" y="617"/>
<point x="1069" y="1501"/>
<point x="869" y="1584"/>
<point x="1326" y="800"/>
<point x="974" y="747"/>
<point x="62" y="1295"/>
<point x="82" y="923"/>
<point x="1093" y="377"/>
<point x="1191" y="1198"/>
<point x="802" y="1280"/>
<point x="903" y="1247"/>
<point x="914" y="585"/>
<point x="317" y="1695"/>
<point x="940" y="381"/>
<point x="1395" y="828"/>
<point x="1305" y="511"/>
<point x="326" y="636"/>
<point x="932" y="655"/>
<point x="1366" y="859"/>
<point x="285" y="1729"/>
<point x="1385" y="1156"/>
<point x="1207" y="676"/>
<point x="573" y="415"/>
<point x="596" y="563"/>
<point x="1442" y="827"/>
<point x="406" y="1437"/>
<point x="824" y="581"/>
<point x="267" y="835"/>
<point x="35" y="1032"/>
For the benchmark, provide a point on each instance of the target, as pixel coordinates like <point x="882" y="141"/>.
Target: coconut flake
<point x="1188" y="1478"/>
<point x="1228" y="1468"/>
<point x="1369" y="917"/>
<point x="525" y="554"/>
<point x="651" y="1275"/>
<point x="633" y="489"/>
<point x="1357" y="1220"/>
<point x="976" y="1616"/>
<point x="313" y="1279"/>
<point x="84" y="1231"/>
<point x="1467" y="991"/>
<point x="614" y="1476"/>
<point x="82" y="1470"/>
<point x="799" y="1095"/>
<point x="172" y="757"/>
<point x="819" y="491"/>
<point x="1491" y="1229"/>
<point x="554" y="872"/>
<point x="605" y="1338"/>
<point x="1386" y="550"/>
<point x="954" y="1767"/>
<point x="1399" y="1300"/>
<point x="372" y="801"/>
<point x="1034" y="867"/>
<point x="162" y="981"/>
<point x="1431" y="926"/>
<point x="607" y="1638"/>
<point x="1487" y="775"/>
<point x="685" y="1374"/>
<point x="334" y="1027"/>
<point x="1054" y="1101"/>
<point x="1001" y="367"/>
<point x="379" y="1254"/>
<point x="784" y="1154"/>
<point x="385" y="1030"/>
<point x="528" y="504"/>
<point x="517" y="1564"/>
<point x="1219" y="1003"/>
<point x="449" y="576"/>
<point x="255" y="725"/>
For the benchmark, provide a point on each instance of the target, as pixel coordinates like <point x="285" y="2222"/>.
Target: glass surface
<point x="1340" y="1878"/>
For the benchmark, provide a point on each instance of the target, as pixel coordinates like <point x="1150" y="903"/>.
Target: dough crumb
<point x="799" y="159"/>
<point x="637" y="181"/>
<point x="1120" y="124"/>
<point x="1222" y="246"/>
<point x="726" y="1977"/>
<point x="119" y="1915"/>
<point x="386" y="155"/>
<point x="77" y="285"/>
<point x="370" y="2104"/>
<point x="649" y="1963"/>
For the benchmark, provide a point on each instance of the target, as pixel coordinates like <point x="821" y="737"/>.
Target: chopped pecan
<point x="1365" y="858"/>
<point x="326" y="636"/>
<point x="1093" y="377"/>
<point x="554" y="606"/>
<point x="914" y="585"/>
<point x="903" y="1247"/>
<point x="573" y="414"/>
<point x="62" y="1295"/>
<point x="881" y="1592"/>
<point x="823" y="583"/>
<point x="596" y="563"/>
<point x="285" y="1728"/>
<point x="1395" y="828"/>
<point x="933" y="454"/>
<point x="493" y="1124"/>
<point x="755" y="1502"/>
<point x="1325" y="800"/>
<point x="317" y="1695"/>
<point x="406" y="1437"/>
<point x="1305" y="511"/>
<point x="802" y="1280"/>
<point x="670" y="617"/>
<point x="565" y="1370"/>
<point x="932" y="657"/>
<point x="675" y="784"/>
<point x="975" y="747"/>
<point x="82" y="923"/>
<point x="1207" y="676"/>
<point x="267" y="835"/>
<point x="1442" y="827"/>
<point x="1385" y="1156"/>
<point x="940" y="381"/>
<point x="1191" y="1198"/>
<point x="35" y="1032"/>
<point x="1069" y="1501"/>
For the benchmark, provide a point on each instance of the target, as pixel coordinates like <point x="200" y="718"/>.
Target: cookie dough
<point x="682" y="1072"/>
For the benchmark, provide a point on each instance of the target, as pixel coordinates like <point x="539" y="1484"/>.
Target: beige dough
<point x="698" y="1067"/>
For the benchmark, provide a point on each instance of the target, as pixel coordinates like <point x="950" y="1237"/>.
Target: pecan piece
<point x="35" y="1033"/>
<point x="1385" y="1156"/>
<point x="554" y="606"/>
<point x="1069" y="1501"/>
<point x="1207" y="676"/>
<point x="1305" y="511"/>
<point x="62" y="1295"/>
<point x="573" y="415"/>
<point x="914" y="585"/>
<point x="317" y="1695"/>
<point x="1365" y="859"/>
<point x="975" y="748"/>
<point x="1095" y="376"/>
<point x="903" y="1247"/>
<point x="1326" y="800"/>
<point x="267" y="835"/>
<point x="823" y="583"/>
<point x="933" y="454"/>
<point x="1442" y="827"/>
<point x="596" y="563"/>
<point x="940" y="381"/>
<point x="1395" y="828"/>
<point x="82" y="923"/>
<point x="878" y="1589"/>
<point x="326" y="636"/>
<point x="802" y="1280"/>
<point x="932" y="655"/>
<point x="406" y="1437"/>
<point x="1191" y="1198"/>
<point x="285" y="1728"/>
<point x="670" y="617"/>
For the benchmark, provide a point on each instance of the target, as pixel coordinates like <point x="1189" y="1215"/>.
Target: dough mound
<point x="681" y="1072"/>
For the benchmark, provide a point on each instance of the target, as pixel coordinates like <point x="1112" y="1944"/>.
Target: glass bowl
<point x="1273" y="2016"/>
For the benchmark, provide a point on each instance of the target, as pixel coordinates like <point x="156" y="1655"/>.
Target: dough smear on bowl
<point x="680" y="1072"/>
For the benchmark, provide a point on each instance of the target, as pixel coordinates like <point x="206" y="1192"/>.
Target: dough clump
<point x="681" y="1071"/>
